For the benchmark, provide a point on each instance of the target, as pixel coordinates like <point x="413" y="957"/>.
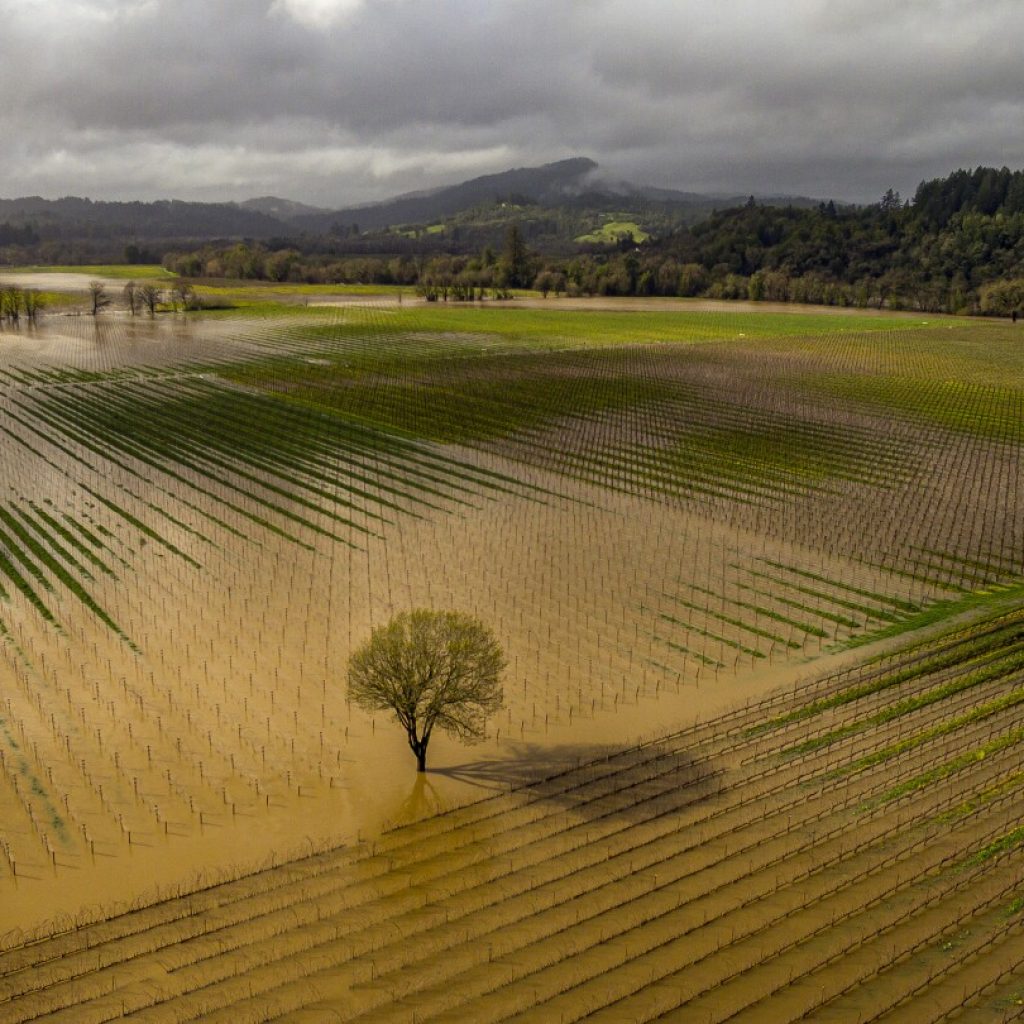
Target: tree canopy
<point x="432" y="670"/>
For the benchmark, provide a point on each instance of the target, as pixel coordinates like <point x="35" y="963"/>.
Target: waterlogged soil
<point x="214" y="734"/>
<point x="626" y="304"/>
<point x="120" y="343"/>
<point x="227" y="740"/>
<point x="707" y="875"/>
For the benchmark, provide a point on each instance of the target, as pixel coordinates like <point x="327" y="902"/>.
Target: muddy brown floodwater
<point x="214" y="735"/>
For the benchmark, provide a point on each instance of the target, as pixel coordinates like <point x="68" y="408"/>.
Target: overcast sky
<point x="340" y="101"/>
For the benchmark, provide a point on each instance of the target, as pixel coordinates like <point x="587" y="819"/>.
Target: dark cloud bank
<point x="341" y="101"/>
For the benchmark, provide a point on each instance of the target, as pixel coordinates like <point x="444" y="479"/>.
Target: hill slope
<point x="549" y="183"/>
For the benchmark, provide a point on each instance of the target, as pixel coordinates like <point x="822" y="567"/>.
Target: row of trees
<point x="650" y="270"/>
<point x="16" y="303"/>
<point x="804" y="263"/>
<point x="512" y="267"/>
<point x="145" y="297"/>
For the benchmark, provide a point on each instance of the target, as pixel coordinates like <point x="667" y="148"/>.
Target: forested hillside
<point x="957" y="246"/>
<point x="952" y="247"/>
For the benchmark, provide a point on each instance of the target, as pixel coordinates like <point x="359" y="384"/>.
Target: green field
<point x="127" y="272"/>
<point x="508" y="327"/>
<point x="611" y="231"/>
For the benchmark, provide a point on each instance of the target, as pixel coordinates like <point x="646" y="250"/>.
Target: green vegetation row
<point x="303" y="466"/>
<point x="39" y="553"/>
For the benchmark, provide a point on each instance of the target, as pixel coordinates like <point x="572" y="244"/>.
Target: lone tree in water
<point x="98" y="296"/>
<point x="431" y="669"/>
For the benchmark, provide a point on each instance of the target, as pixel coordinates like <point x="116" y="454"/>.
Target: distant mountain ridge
<point x="73" y="227"/>
<point x="280" y="209"/>
<point x="544" y="185"/>
<point x="75" y="217"/>
<point x="575" y="182"/>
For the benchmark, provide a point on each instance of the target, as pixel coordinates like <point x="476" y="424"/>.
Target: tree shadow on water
<point x="528" y="764"/>
<point x="590" y="778"/>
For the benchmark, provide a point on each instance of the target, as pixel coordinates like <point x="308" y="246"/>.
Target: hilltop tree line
<point x="18" y="234"/>
<point x="957" y="245"/>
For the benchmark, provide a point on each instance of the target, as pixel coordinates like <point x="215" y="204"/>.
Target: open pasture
<point x="662" y="515"/>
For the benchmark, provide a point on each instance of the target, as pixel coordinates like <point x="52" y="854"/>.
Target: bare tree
<point x="184" y="294"/>
<point x="98" y="296"/>
<point x="33" y="302"/>
<point x="131" y="297"/>
<point x="432" y="669"/>
<point x="150" y="296"/>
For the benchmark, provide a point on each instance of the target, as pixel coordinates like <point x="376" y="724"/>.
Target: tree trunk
<point x="419" y="748"/>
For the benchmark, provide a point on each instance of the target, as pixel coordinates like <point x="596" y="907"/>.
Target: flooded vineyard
<point x="681" y="527"/>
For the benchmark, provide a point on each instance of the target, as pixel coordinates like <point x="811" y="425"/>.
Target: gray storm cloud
<point x="340" y="101"/>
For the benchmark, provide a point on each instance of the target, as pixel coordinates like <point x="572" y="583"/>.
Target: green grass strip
<point x="839" y="620"/>
<point x="1015" y="907"/>
<point x="173" y="519"/>
<point x="70" y="538"/>
<point x="58" y="550"/>
<point x="710" y="662"/>
<point x="1002" y="845"/>
<point x="992" y="595"/>
<point x="907" y="606"/>
<point x="867" y="611"/>
<point x="804" y="627"/>
<point x="61" y="573"/>
<point x="738" y="623"/>
<point x="90" y="536"/>
<point x="988" y="674"/>
<point x="1010" y="700"/>
<point x="22" y="585"/>
<point x="943" y="771"/>
<point x="711" y="636"/>
<point x="141" y="526"/>
<point x="76" y="457"/>
<point x="964" y="653"/>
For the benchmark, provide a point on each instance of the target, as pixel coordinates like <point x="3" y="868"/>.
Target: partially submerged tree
<point x="150" y="296"/>
<point x="11" y="303"/>
<point x="98" y="296"/>
<point x="33" y="302"/>
<point x="132" y="297"/>
<point x="433" y="670"/>
<point x="184" y="294"/>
